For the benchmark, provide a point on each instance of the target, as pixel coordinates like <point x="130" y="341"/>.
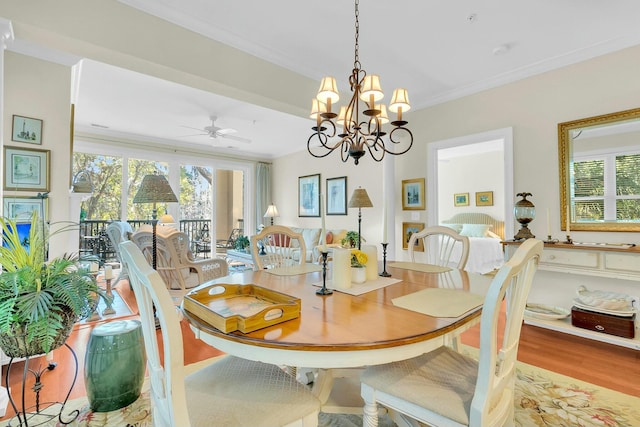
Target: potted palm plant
<point x="39" y="301"/>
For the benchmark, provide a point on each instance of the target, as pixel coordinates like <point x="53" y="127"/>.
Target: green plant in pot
<point x="350" y="240"/>
<point x="242" y="243"/>
<point x="39" y="301"/>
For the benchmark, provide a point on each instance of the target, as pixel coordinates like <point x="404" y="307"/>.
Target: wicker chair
<point x="175" y="262"/>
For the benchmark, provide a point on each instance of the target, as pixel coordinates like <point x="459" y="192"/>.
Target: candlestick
<point x="384" y="223"/>
<point x="323" y="290"/>
<point x="323" y="241"/>
<point x="384" y="261"/>
<point x="109" y="309"/>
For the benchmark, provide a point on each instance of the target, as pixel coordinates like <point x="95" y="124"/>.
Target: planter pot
<point x="17" y="345"/>
<point x="358" y="274"/>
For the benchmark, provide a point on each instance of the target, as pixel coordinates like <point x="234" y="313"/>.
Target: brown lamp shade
<point x="360" y="199"/>
<point x="155" y="189"/>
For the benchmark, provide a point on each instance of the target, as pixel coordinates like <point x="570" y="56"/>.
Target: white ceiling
<point x="439" y="50"/>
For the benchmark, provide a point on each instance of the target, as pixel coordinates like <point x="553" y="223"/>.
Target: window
<point x="606" y="187"/>
<point x="106" y="177"/>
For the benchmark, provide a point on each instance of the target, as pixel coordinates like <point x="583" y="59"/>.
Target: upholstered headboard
<point x="478" y="218"/>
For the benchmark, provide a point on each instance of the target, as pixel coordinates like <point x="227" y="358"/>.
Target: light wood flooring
<point x="603" y="364"/>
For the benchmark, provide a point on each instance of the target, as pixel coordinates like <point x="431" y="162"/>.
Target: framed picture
<point x="461" y="199"/>
<point x="20" y="208"/>
<point x="484" y="198"/>
<point x="26" y="129"/>
<point x="26" y="169"/>
<point x="408" y="228"/>
<point x="337" y="196"/>
<point x="413" y="194"/>
<point x="309" y="195"/>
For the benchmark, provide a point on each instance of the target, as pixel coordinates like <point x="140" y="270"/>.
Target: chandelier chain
<point x="356" y="59"/>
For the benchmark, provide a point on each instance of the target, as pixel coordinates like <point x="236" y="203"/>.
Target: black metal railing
<point x="95" y="242"/>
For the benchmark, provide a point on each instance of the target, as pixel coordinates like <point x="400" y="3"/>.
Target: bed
<point x="485" y="234"/>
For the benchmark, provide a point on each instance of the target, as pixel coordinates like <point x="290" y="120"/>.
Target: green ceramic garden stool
<point x="114" y="365"/>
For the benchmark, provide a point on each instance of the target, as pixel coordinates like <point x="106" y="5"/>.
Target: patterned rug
<point x="543" y="398"/>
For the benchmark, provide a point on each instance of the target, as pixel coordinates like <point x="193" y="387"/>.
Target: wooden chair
<point x="175" y="262"/>
<point x="438" y="245"/>
<point x="228" y="392"/>
<point x="444" y="387"/>
<point x="282" y="247"/>
<point x="119" y="231"/>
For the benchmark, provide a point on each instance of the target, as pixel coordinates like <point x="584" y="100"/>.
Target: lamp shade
<point x="155" y="189"/>
<point x="360" y="199"/>
<point x="399" y="101"/>
<point x="272" y="212"/>
<point x="328" y="91"/>
<point x="371" y="87"/>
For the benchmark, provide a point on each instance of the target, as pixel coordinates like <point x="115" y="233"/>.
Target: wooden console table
<point x="564" y="267"/>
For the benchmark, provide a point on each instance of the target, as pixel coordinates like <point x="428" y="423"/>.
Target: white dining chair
<point x="228" y="392"/>
<point x="439" y="243"/>
<point x="283" y="247"/>
<point x="446" y="388"/>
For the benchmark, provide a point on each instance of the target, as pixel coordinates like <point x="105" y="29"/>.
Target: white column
<point x="6" y="36"/>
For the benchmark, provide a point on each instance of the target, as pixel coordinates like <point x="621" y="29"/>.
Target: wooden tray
<point x="243" y="308"/>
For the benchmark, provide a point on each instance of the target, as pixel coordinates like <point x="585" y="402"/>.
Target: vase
<point x="358" y="274"/>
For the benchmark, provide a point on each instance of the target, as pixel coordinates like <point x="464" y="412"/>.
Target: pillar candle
<point x="568" y="219"/>
<point x="372" y="261"/>
<point x="93" y="267"/>
<point x="108" y="272"/>
<point x="384" y="223"/>
<point x="323" y="238"/>
<point x="548" y="223"/>
<point x="341" y="268"/>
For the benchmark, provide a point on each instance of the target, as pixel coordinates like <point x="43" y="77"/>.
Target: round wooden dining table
<point x="342" y="330"/>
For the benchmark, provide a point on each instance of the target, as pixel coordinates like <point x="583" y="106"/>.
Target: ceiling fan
<point x="214" y="132"/>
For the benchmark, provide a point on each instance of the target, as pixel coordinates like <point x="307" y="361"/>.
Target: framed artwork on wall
<point x="408" y="228"/>
<point x="413" y="194"/>
<point x="20" y="208"/>
<point x="461" y="199"/>
<point x="484" y="198"/>
<point x="26" y="129"/>
<point x="337" y="196"/>
<point x="26" y="169"/>
<point x="309" y="195"/>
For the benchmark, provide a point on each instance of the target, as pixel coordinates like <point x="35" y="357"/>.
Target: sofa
<point x="313" y="239"/>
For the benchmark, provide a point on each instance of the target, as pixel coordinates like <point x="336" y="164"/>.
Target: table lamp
<point x="360" y="199"/>
<point x="272" y="212"/>
<point x="154" y="189"/>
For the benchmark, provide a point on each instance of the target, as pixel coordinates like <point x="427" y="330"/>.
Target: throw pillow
<point x="475" y="230"/>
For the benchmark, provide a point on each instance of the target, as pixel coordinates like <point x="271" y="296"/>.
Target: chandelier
<point x="358" y="134"/>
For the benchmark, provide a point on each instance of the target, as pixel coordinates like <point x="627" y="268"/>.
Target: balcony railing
<point x="95" y="242"/>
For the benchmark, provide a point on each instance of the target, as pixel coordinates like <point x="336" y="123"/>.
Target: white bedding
<point x="485" y="254"/>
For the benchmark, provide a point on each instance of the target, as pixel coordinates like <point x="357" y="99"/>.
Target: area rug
<point x="543" y="398"/>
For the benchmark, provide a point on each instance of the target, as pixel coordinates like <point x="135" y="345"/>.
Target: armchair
<point x="229" y="243"/>
<point x="175" y="262"/>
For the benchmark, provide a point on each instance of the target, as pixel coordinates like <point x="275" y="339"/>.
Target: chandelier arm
<point x="395" y="142"/>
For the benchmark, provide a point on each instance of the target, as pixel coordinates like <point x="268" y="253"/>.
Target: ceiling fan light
<point x="400" y="100"/>
<point x="371" y="86"/>
<point x="328" y="92"/>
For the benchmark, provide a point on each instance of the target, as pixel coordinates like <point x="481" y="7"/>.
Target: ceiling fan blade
<point x="193" y="134"/>
<point x="236" y="138"/>
<point x="189" y="127"/>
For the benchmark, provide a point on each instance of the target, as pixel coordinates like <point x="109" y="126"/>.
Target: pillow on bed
<point x="455" y="227"/>
<point x="475" y="230"/>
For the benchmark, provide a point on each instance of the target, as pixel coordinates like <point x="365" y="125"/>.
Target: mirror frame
<point x="564" y="156"/>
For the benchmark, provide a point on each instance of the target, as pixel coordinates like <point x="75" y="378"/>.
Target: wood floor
<point x="603" y="364"/>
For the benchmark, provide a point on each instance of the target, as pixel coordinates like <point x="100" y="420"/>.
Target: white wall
<point x="471" y="174"/>
<point x="42" y="90"/>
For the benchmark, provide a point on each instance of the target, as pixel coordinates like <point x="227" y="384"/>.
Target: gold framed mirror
<point x="599" y="161"/>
